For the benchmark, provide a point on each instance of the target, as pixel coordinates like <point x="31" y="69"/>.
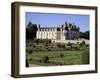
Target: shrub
<point x="30" y="52"/>
<point x="46" y="44"/>
<point x="87" y="45"/>
<point x="45" y="59"/>
<point x="68" y="48"/>
<point x="69" y="44"/>
<point x="61" y="55"/>
<point x="59" y="45"/>
<point x="75" y="47"/>
<point x="30" y="44"/>
<point x="77" y="43"/>
<point x="63" y="45"/>
<point x="83" y="42"/>
<point x="34" y="45"/>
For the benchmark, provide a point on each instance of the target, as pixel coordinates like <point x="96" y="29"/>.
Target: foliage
<point x="31" y="31"/>
<point x="61" y="55"/>
<point x="30" y="52"/>
<point x="45" y="59"/>
<point x="82" y="43"/>
<point x="27" y="65"/>
<point x="85" y="35"/>
<point x="60" y="45"/>
<point x="68" y="47"/>
<point x="45" y="41"/>
<point x="69" y="44"/>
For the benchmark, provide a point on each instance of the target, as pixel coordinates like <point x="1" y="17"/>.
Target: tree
<point x="31" y="31"/>
<point x="85" y="35"/>
<point x="27" y="65"/>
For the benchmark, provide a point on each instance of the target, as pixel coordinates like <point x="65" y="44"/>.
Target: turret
<point x="38" y="26"/>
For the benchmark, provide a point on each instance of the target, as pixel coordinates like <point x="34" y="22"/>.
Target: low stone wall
<point x="71" y="41"/>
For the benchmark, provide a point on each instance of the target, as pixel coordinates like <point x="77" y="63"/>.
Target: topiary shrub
<point x="82" y="44"/>
<point x="61" y="55"/>
<point x="30" y="52"/>
<point x="69" y="44"/>
<point x="59" y="45"/>
<point x="45" y="59"/>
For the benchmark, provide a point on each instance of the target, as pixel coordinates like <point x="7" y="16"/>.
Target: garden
<point x="45" y="53"/>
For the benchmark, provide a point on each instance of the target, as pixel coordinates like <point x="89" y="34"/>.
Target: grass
<point x="54" y="53"/>
<point x="70" y="57"/>
<point x="41" y="64"/>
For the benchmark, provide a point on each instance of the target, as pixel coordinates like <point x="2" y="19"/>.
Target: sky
<point x="50" y="19"/>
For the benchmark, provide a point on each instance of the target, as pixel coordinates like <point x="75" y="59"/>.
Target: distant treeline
<point x="85" y="35"/>
<point x="32" y="28"/>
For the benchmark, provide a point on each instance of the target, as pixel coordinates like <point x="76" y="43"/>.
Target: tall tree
<point x="85" y="35"/>
<point x="31" y="31"/>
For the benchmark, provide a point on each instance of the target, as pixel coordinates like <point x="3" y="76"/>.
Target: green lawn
<point x="69" y="57"/>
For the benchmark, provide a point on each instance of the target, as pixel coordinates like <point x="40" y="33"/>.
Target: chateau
<point x="66" y="31"/>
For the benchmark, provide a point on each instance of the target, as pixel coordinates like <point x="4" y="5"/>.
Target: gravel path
<point x="33" y="65"/>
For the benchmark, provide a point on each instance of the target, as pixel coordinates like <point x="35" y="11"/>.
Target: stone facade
<point x="65" y="31"/>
